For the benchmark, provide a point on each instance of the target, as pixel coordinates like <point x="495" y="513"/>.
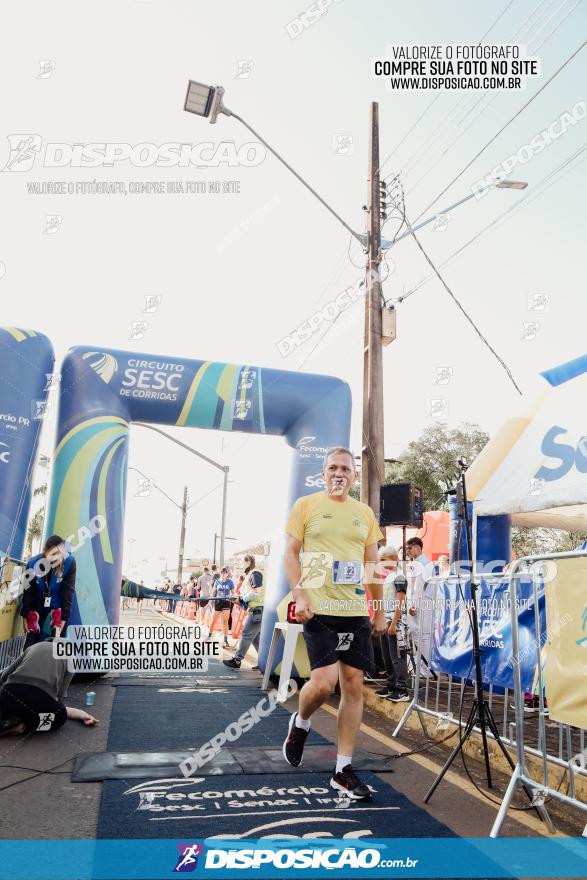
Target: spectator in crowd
<point x="205" y="588"/>
<point x="419" y="598"/>
<point x="442" y="566"/>
<point x="394" y="642"/>
<point x="237" y="591"/>
<point x="176" y="591"/>
<point x="164" y="588"/>
<point x="48" y="594"/>
<point x="252" y="596"/>
<point x="222" y="590"/>
<point x="32" y="690"/>
<point x="140" y="599"/>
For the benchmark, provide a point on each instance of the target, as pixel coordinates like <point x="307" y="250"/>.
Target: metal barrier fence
<point x="521" y="776"/>
<point x="10" y="650"/>
<point x="441" y="696"/>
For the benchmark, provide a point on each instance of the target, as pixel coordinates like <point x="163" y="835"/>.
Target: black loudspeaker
<point x="401" y="505"/>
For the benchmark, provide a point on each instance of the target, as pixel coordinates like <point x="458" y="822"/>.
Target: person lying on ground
<point x="32" y="690"/>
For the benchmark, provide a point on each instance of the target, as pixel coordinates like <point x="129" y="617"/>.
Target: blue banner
<point x="228" y="859"/>
<point x="452" y="639"/>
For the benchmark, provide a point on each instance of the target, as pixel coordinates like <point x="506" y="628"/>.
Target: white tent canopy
<point x="535" y="467"/>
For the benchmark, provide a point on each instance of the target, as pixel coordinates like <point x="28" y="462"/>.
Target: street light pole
<point x="226" y="538"/>
<point x="184" y="511"/>
<point x="373" y="465"/>
<point x="221" y="467"/>
<point x="502" y="184"/>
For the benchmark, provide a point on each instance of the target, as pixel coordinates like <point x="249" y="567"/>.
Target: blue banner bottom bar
<point x="272" y="859"/>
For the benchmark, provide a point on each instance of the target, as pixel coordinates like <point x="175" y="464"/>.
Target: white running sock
<point x="343" y="761"/>
<point x="301" y="722"/>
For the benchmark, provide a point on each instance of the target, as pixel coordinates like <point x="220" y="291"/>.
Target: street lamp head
<point x="511" y="184"/>
<point x="204" y="100"/>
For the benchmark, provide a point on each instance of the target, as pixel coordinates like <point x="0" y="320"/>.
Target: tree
<point x="534" y="542"/>
<point x="431" y="461"/>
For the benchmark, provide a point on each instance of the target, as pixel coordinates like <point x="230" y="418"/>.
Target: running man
<point x="341" y="534"/>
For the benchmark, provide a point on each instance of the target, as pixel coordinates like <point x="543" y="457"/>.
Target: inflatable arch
<point x="103" y="391"/>
<point x="26" y="372"/>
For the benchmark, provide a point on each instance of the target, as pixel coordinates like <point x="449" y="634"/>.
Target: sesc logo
<point x="566" y="455"/>
<point x="104" y="365"/>
<point x="152" y="380"/>
<point x="315" y="481"/>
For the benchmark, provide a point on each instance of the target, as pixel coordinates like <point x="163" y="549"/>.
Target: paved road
<point x="51" y="806"/>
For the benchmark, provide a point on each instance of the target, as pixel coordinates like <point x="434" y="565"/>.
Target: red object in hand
<point x="291" y="612"/>
<point x="32" y="621"/>
<point x="56" y="621"/>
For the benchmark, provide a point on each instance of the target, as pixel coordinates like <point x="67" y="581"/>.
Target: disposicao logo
<point x="187" y="860"/>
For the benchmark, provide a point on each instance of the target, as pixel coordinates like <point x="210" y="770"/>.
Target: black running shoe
<point x="382" y="692"/>
<point x="399" y="697"/>
<point x="293" y="747"/>
<point x="349" y="783"/>
<point x="234" y="664"/>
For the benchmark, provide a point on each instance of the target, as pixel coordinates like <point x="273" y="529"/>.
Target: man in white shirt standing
<point x="419" y="596"/>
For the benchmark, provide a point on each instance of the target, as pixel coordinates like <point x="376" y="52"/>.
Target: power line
<point x="434" y="100"/>
<point x="462" y="309"/>
<point x="431" y="139"/>
<point x="503" y="128"/>
<point x="536" y="192"/>
<point x="483" y="110"/>
<point x="558" y="25"/>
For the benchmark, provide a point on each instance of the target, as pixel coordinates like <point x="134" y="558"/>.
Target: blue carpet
<point x="151" y="719"/>
<point x="256" y="805"/>
<point x="264" y="805"/>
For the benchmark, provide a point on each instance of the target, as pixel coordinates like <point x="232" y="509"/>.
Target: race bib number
<point x="346" y="572"/>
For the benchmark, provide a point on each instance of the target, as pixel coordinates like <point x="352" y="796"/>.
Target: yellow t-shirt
<point x="334" y="534"/>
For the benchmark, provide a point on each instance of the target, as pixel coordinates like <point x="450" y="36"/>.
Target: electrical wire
<point x="48" y="772"/>
<point x="431" y="139"/>
<point x="493" y="97"/>
<point x="536" y="192"/>
<point x="434" y="100"/>
<point x="461" y="308"/>
<point x="503" y="128"/>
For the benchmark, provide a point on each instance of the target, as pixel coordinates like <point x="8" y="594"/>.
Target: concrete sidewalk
<point x="51" y="806"/>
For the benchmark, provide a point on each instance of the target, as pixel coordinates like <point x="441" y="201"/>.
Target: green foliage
<point x="534" y="542"/>
<point x="431" y="461"/>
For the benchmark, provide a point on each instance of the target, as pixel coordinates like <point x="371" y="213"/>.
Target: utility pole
<point x="373" y="465"/>
<point x="184" y="512"/>
<point x="226" y="538"/>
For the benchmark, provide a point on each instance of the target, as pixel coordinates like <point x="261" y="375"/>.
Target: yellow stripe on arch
<point x="192" y="393"/>
<point x="68" y="514"/>
<point x="18" y="334"/>
<point x="104" y="536"/>
<point x="225" y="384"/>
<point x="95" y="421"/>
